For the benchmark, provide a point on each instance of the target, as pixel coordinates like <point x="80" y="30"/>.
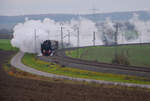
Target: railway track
<point x="62" y="59"/>
<point x="61" y="56"/>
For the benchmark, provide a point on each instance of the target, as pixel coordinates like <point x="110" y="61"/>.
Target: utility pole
<point x="122" y="38"/>
<point x="94" y="38"/>
<point x="10" y="37"/>
<point x="78" y="41"/>
<point x="35" y="40"/>
<point x="94" y="19"/>
<point x="116" y="34"/>
<point x="62" y="44"/>
<point x="78" y="37"/>
<point x="140" y="39"/>
<point x="116" y="39"/>
<point x="68" y="37"/>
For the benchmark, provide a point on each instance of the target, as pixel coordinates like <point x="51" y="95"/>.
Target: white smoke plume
<point x="142" y="27"/>
<point x="86" y="29"/>
<point x="32" y="33"/>
<point x="29" y="35"/>
<point x="133" y="31"/>
<point x="107" y="30"/>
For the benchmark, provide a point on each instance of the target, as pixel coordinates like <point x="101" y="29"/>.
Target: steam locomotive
<point x="48" y="47"/>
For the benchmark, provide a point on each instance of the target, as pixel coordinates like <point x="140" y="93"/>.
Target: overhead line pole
<point x="94" y="38"/>
<point x="78" y="37"/>
<point x="116" y="34"/>
<point x="68" y="37"/>
<point x="62" y="45"/>
<point x="35" y="40"/>
<point x="78" y="41"/>
<point x="94" y="19"/>
<point x="140" y="39"/>
<point x="116" y="39"/>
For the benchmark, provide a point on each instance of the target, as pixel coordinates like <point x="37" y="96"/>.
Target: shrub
<point x="121" y="59"/>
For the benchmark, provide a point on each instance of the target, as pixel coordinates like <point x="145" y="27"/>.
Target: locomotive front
<point x="49" y="47"/>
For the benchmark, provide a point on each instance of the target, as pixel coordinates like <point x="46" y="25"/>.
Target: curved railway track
<point x="64" y="60"/>
<point x="63" y="57"/>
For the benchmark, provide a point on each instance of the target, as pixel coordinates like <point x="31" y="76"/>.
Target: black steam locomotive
<point x="49" y="47"/>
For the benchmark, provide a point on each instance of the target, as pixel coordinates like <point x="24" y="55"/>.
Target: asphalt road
<point x="16" y="62"/>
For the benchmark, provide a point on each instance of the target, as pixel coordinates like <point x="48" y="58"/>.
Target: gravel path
<point x="16" y="62"/>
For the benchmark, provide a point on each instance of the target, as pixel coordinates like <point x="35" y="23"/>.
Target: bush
<point x="121" y="59"/>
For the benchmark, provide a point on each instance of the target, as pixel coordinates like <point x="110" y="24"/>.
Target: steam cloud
<point x="32" y="33"/>
<point x="143" y="28"/>
<point x="29" y="35"/>
<point x="133" y="31"/>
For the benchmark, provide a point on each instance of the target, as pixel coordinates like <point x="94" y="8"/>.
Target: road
<point x="16" y="62"/>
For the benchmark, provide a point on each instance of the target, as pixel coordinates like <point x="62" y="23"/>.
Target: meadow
<point x="6" y="45"/>
<point x="32" y="61"/>
<point x="138" y="55"/>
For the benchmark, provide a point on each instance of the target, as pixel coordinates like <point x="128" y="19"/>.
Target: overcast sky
<point x="19" y="7"/>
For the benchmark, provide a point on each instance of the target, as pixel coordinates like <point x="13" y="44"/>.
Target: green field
<point x="138" y="55"/>
<point x="5" y="45"/>
<point x="32" y="61"/>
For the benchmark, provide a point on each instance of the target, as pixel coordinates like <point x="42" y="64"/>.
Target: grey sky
<point x="17" y="7"/>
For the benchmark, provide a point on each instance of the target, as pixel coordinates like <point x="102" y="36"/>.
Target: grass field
<point x="138" y="55"/>
<point x="32" y="61"/>
<point x="22" y="86"/>
<point x="5" y="45"/>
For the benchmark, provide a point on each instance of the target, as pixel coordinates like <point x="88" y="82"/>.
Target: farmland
<point x="5" y="45"/>
<point x="31" y="61"/>
<point x="16" y="85"/>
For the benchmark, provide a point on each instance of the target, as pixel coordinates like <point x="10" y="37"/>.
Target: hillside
<point x="8" y="22"/>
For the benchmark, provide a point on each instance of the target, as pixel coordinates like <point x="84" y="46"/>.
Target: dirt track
<point x="17" y="89"/>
